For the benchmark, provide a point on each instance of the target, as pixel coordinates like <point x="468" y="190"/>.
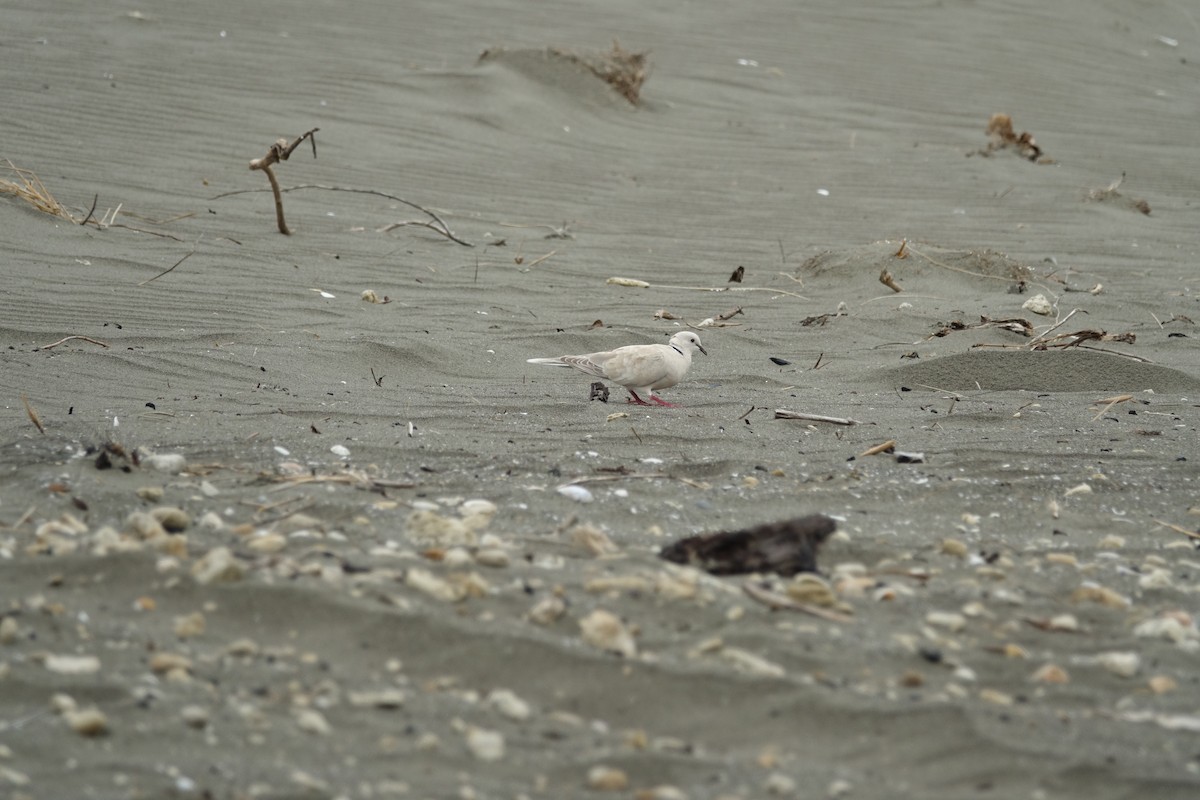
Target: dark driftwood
<point x="785" y="547"/>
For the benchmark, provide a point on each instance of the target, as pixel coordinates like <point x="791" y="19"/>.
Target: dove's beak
<point x="700" y="347"/>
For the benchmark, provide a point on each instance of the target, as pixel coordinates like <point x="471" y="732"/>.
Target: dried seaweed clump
<point x="29" y="187"/>
<point x="1109" y="193"/>
<point x="1000" y="131"/>
<point x="619" y="68"/>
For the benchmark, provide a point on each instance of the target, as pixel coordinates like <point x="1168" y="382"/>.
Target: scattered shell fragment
<point x="664" y="792"/>
<point x="477" y="514"/>
<point x="1038" y="304"/>
<point x="811" y="589"/>
<point x="780" y="785"/>
<point x="1093" y="593"/>
<point x="1169" y="627"/>
<point x="631" y="282"/>
<point x="72" y="665"/>
<point x="313" y="721"/>
<point x="547" y="610"/>
<point x="1122" y="664"/>
<point x="387" y="699"/>
<point x="751" y="664"/>
<point x="485" y="745"/>
<point x="189" y="626"/>
<point x="194" y="716"/>
<point x="171" y="463"/>
<point x="601" y="778"/>
<point x="10" y="629"/>
<point x="217" y="566"/>
<point x="1050" y="673"/>
<point x="427" y="527"/>
<point x="435" y="586"/>
<point x="89" y="721"/>
<point x="1162" y="684"/>
<point x="996" y="697"/>
<point x="606" y="631"/>
<point x="172" y="518"/>
<point x="954" y="547"/>
<point x="509" y="704"/>
<point x="151" y="494"/>
<point x="580" y="494"/>
<point x="592" y="539"/>
<point x="169" y="662"/>
<point x="949" y="620"/>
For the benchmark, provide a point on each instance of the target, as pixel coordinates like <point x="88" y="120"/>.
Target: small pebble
<point x="172" y="518"/>
<point x="387" y="699"/>
<point x="1050" y="673"/>
<point x="72" y="665"/>
<point x="89" y="721"/>
<point x="194" y="716"/>
<point x="606" y="631"/>
<point x="601" y="778"/>
<point x="579" y="494"/>
<point x="151" y="494"/>
<point x="1123" y="664"/>
<point x="1038" y="304"/>
<point x="172" y="463"/>
<point x="10" y="629"/>
<point x="547" y="610"/>
<point x="310" y="720"/>
<point x="949" y="620"/>
<point x="485" y="745"/>
<point x="1162" y="684"/>
<point x="509" y="704"/>
<point x="217" y="566"/>
<point x="780" y="785"/>
<point x="189" y="626"/>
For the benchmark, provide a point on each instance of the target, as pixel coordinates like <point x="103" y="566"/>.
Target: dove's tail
<point x="548" y="362"/>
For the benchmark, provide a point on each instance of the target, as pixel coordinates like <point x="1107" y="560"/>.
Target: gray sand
<point x="1019" y="606"/>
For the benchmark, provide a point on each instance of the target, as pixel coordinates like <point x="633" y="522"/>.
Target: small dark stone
<point x="599" y="392"/>
<point x="783" y="362"/>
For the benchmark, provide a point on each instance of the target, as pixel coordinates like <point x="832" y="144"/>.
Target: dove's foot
<point x="662" y="402"/>
<point x="633" y="398"/>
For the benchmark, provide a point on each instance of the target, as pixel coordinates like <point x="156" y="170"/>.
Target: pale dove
<point x="640" y="368"/>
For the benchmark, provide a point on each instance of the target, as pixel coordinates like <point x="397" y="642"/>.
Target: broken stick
<point x="280" y="151"/>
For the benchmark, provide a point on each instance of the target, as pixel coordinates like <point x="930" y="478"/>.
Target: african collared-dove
<point x="640" y="368"/>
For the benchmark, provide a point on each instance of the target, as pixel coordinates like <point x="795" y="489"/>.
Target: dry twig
<point x="783" y="413"/>
<point x="280" y="151"/>
<point x="69" y="338"/>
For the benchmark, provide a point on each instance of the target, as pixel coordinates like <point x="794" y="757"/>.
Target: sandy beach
<point x="291" y="516"/>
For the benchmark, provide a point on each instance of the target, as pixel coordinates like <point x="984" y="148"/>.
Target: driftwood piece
<point x="785" y="547"/>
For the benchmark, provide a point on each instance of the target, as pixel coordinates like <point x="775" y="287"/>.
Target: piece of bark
<point x="785" y="547"/>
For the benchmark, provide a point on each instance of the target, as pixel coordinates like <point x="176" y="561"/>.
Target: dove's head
<point x="687" y="342"/>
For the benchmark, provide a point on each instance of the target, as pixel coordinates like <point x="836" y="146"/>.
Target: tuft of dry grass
<point x="27" y="186"/>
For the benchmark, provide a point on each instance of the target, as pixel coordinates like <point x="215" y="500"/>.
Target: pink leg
<point x="662" y="402"/>
<point x="633" y="398"/>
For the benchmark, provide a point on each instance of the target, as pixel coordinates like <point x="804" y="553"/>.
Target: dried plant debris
<point x="281" y="151"/>
<point x="1079" y="337"/>
<point x="599" y="392"/>
<point x="1110" y="193"/>
<point x="1014" y="324"/>
<point x="622" y="70"/>
<point x="29" y="187"/>
<point x="785" y="547"/>
<point x="1003" y="137"/>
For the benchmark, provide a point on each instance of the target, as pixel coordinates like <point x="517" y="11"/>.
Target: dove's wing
<point x="645" y="366"/>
